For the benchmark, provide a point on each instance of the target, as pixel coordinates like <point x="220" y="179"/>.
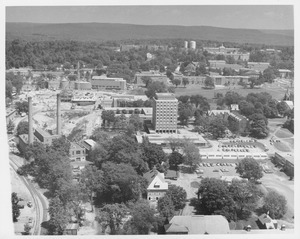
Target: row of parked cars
<point x="217" y="164"/>
<point x="236" y="146"/>
<point x="243" y="141"/>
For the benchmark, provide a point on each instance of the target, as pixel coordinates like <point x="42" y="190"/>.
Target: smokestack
<point x="30" y="121"/>
<point x="58" y="123"/>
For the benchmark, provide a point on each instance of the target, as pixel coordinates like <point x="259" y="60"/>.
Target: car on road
<point x="29" y="204"/>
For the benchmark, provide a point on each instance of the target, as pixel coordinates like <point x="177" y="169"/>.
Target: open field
<point x="275" y="91"/>
<point x="290" y="142"/>
<point x="283" y="133"/>
<point x="282" y="147"/>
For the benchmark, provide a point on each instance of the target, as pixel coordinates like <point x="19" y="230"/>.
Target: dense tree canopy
<point x="166" y="207"/>
<point x="15" y="206"/>
<point x="142" y="220"/>
<point x="123" y="183"/>
<point x="177" y="195"/>
<point x="111" y="217"/>
<point x="175" y="159"/>
<point x="258" y="126"/>
<point x="22" y="128"/>
<point x="245" y="195"/>
<point x="22" y="106"/>
<point x="275" y="204"/>
<point x="215" y="198"/>
<point x="249" y="168"/>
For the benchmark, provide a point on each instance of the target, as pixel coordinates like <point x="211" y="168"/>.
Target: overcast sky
<point x="253" y="17"/>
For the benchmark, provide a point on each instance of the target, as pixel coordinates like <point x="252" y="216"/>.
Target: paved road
<point x="38" y="200"/>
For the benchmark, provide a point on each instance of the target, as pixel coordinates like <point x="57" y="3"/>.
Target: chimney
<point x="30" y="121"/>
<point x="58" y="117"/>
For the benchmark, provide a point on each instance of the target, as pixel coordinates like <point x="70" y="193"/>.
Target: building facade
<point x="105" y="83"/>
<point x="157" y="187"/>
<point x="286" y="162"/>
<point x="154" y="75"/>
<point x="165" y="113"/>
<point x="77" y="153"/>
<point x="43" y="136"/>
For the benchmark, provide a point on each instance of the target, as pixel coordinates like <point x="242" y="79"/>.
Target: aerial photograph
<point x="150" y="119"/>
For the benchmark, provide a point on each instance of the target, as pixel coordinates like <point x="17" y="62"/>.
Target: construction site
<point x="74" y="115"/>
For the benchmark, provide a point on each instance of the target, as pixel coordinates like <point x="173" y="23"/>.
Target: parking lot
<point x="216" y="169"/>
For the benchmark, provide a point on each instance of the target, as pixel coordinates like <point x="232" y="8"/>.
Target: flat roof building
<point x="154" y="75"/>
<point x="198" y="224"/>
<point x="105" y="83"/>
<point x="165" y="113"/>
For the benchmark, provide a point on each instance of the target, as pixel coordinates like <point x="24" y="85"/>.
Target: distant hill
<point x="114" y="31"/>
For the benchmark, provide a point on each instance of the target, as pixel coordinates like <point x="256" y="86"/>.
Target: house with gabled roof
<point x="157" y="186"/>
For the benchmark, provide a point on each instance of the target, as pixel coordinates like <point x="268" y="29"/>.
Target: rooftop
<point x="258" y="63"/>
<point x="104" y="77"/>
<point x="284" y="71"/>
<point x="43" y="132"/>
<point x="154" y="177"/>
<point x="199" y="224"/>
<point x="75" y="146"/>
<point x="72" y="226"/>
<point x="90" y="142"/>
<point x="165" y="96"/>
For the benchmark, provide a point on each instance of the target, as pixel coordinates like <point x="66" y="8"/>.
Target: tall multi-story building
<point x="192" y="45"/>
<point x="165" y="113"/>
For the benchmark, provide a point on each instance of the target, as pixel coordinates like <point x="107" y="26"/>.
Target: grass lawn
<point x="282" y="147"/>
<point x="283" y="133"/>
<point x="195" y="184"/>
<point x="290" y="142"/>
<point x="274" y="91"/>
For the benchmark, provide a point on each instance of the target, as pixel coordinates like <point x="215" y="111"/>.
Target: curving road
<point x="38" y="200"/>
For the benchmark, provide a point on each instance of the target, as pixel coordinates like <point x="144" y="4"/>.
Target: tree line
<point x="50" y="55"/>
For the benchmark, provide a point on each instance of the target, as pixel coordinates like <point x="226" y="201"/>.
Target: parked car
<point x="216" y="170"/>
<point x="29" y="204"/>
